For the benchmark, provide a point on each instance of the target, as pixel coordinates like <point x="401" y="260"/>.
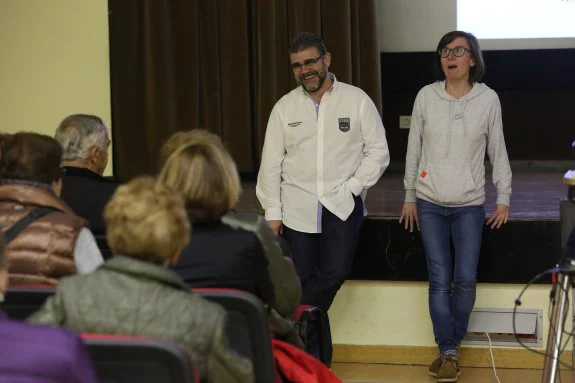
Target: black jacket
<point x="240" y="252"/>
<point x="87" y="193"/>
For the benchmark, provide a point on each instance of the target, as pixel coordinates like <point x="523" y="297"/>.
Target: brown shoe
<point x="435" y="366"/>
<point x="449" y="370"/>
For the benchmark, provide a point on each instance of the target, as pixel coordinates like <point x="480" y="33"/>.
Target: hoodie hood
<point x="457" y="106"/>
<point x="477" y="89"/>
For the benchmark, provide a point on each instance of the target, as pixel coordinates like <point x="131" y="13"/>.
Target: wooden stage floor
<point x="535" y="196"/>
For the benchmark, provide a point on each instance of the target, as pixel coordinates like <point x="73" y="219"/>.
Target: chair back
<point x="22" y="301"/>
<point x="247" y="328"/>
<point x="127" y="359"/>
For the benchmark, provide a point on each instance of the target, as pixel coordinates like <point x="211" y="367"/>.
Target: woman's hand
<point x="409" y="216"/>
<point x="498" y="217"/>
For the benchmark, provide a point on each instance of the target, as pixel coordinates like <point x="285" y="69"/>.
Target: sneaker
<point x="449" y="370"/>
<point x="435" y="366"/>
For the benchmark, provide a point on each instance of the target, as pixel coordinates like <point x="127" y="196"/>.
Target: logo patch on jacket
<point x="344" y="124"/>
<point x="423" y="174"/>
<point x="294" y="124"/>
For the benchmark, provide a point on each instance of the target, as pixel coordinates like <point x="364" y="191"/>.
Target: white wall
<point x="417" y="26"/>
<point x="54" y="61"/>
<point x="397" y="313"/>
<point x="414" y="25"/>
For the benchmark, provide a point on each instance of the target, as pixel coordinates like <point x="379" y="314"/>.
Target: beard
<point x="314" y="84"/>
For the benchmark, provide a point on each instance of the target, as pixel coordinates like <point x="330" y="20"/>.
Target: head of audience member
<point x="458" y="56"/>
<point x="32" y="157"/>
<point x="182" y="137"/>
<point x="310" y="61"/>
<point x="147" y="220"/>
<point x="205" y="174"/>
<point x="85" y="142"/>
<point x="3" y="269"/>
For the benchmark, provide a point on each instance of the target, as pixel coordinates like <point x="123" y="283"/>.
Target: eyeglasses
<point x="457" y="51"/>
<point x="308" y="62"/>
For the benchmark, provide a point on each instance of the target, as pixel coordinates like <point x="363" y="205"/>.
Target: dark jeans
<point x="323" y="261"/>
<point x="451" y="289"/>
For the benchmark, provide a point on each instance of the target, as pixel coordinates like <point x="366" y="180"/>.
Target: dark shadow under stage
<point x="528" y="244"/>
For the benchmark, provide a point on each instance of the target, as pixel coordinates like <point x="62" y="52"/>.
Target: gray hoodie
<point x="446" y="149"/>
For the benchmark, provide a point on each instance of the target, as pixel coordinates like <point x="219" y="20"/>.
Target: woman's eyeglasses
<point x="457" y="51"/>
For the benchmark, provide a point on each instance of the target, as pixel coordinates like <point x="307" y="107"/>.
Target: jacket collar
<point x="29" y="193"/>
<point x="148" y="270"/>
<point x="74" y="171"/>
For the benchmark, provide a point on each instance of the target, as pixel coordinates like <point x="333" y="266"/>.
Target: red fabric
<point x="32" y="286"/>
<point x="300" y="310"/>
<point x="95" y="336"/>
<point x="297" y="366"/>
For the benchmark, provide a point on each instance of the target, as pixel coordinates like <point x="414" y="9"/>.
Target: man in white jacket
<point x="325" y="146"/>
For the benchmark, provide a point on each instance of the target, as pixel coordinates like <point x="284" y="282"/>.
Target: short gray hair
<point x="78" y="133"/>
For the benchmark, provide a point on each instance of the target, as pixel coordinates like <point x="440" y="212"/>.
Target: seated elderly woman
<point x="45" y="239"/>
<point x="30" y="352"/>
<point x="232" y="250"/>
<point x="135" y="294"/>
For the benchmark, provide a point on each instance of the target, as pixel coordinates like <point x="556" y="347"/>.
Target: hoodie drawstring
<point x="449" y="129"/>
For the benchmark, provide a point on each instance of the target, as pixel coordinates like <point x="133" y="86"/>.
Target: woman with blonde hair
<point x="227" y="249"/>
<point x="134" y="294"/>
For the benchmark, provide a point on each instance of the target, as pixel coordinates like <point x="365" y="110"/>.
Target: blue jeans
<point x="323" y="261"/>
<point x="451" y="283"/>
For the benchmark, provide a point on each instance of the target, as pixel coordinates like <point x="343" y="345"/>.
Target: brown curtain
<point x="221" y="65"/>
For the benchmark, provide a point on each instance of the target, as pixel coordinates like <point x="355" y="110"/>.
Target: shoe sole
<point x="431" y="373"/>
<point x="449" y="380"/>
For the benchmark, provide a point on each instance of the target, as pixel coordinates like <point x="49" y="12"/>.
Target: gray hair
<point x="78" y="133"/>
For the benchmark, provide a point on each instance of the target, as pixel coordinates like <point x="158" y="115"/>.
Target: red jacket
<point x="297" y="366"/>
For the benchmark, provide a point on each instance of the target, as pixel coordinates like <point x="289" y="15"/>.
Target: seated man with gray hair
<point x="84" y="139"/>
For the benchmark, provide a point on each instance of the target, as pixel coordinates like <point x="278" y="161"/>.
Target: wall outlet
<point x="404" y="122"/>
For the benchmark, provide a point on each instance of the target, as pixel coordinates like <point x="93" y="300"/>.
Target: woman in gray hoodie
<point x="454" y="122"/>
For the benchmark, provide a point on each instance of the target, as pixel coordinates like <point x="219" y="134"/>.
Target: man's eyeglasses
<point x="308" y="62"/>
<point x="457" y="51"/>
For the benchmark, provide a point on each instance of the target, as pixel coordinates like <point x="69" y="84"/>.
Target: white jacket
<point x="312" y="159"/>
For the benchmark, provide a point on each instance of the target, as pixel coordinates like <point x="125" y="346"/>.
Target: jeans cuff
<point x="449" y="353"/>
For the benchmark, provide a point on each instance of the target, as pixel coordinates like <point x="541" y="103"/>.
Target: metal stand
<point x="559" y="296"/>
<point x="558" y="315"/>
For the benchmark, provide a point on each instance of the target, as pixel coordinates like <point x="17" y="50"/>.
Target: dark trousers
<point x="323" y="261"/>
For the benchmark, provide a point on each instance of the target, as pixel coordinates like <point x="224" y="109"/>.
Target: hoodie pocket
<point x="447" y="184"/>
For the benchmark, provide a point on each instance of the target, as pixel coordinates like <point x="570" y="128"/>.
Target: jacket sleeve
<point x="264" y="284"/>
<point x="375" y="151"/>
<point x="286" y="283"/>
<point x="269" y="176"/>
<point x="498" y="155"/>
<point x="87" y="255"/>
<point x="224" y="364"/>
<point x="52" y="312"/>
<point x="413" y="155"/>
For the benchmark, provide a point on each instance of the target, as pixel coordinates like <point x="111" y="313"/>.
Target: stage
<point x="528" y="244"/>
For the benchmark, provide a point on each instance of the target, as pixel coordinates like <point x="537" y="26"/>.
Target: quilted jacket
<point x="128" y="296"/>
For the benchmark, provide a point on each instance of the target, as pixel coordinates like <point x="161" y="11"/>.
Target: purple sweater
<point x="41" y="354"/>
